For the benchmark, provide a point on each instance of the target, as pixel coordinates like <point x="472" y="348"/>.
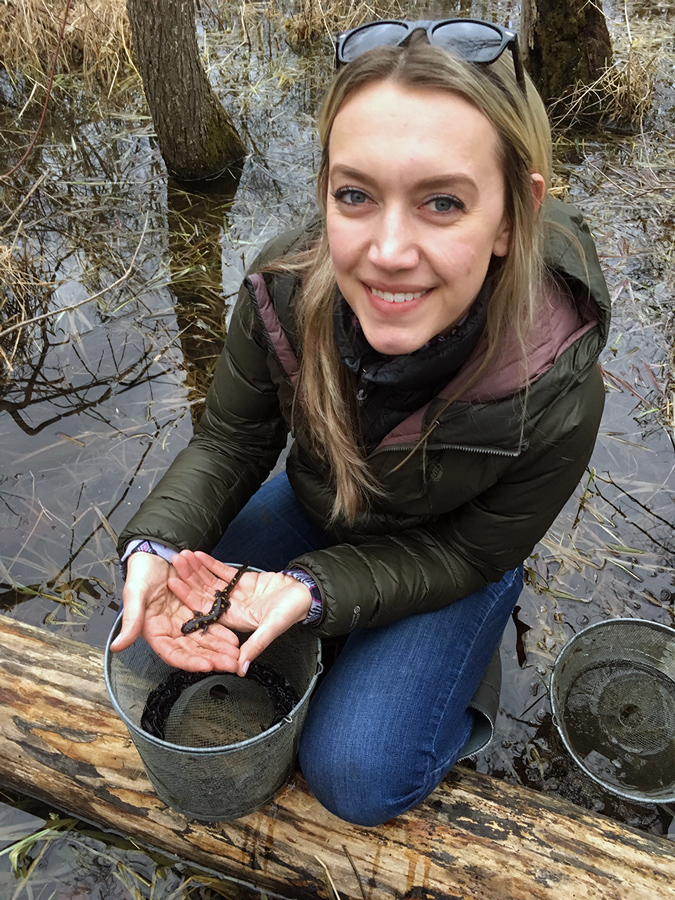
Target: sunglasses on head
<point x="470" y="39"/>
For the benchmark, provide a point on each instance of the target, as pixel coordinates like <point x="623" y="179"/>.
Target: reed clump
<point x="619" y="99"/>
<point x="325" y="18"/>
<point x="96" y="39"/>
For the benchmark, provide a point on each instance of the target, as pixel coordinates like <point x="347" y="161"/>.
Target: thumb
<point x="132" y="621"/>
<point x="131" y="629"/>
<point x="146" y="577"/>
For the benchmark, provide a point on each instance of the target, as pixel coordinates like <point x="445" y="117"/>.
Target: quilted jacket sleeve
<point x="427" y="568"/>
<point x="239" y="439"/>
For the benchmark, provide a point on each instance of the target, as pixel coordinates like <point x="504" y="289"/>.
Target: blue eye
<point x="350" y="196"/>
<point x="445" y="203"/>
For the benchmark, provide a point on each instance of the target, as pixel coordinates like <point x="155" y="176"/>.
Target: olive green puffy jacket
<point x="467" y="505"/>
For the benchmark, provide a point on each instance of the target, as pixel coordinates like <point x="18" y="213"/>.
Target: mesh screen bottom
<point x="620" y="720"/>
<point x="613" y="700"/>
<point x="221" y="710"/>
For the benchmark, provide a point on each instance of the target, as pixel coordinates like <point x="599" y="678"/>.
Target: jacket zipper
<point x="493" y="451"/>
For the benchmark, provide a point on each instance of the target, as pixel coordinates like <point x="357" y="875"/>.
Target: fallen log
<point x="475" y="837"/>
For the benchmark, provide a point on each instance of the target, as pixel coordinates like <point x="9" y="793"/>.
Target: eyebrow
<point x="431" y="183"/>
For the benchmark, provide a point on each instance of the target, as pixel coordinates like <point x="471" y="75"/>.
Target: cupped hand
<point x="152" y="610"/>
<point x="264" y="603"/>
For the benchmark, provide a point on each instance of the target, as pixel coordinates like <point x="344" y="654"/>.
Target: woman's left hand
<point x="264" y="603"/>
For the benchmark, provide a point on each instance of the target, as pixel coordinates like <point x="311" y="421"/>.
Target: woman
<point x="431" y="345"/>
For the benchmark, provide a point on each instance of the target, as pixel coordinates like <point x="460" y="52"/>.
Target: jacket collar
<point x="436" y="362"/>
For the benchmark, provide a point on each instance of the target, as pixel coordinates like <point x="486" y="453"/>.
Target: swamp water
<point x="100" y="398"/>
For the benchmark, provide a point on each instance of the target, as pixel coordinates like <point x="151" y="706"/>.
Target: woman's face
<point x="415" y="210"/>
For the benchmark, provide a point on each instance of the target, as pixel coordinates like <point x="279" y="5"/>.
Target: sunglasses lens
<point x="476" y="42"/>
<point x="378" y="35"/>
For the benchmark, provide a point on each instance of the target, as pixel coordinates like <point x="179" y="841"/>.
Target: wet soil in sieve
<point x="206" y="709"/>
<point x="619" y="719"/>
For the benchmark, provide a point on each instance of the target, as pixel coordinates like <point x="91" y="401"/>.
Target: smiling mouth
<point x="388" y="297"/>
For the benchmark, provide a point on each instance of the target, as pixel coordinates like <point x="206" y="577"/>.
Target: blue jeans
<point x="391" y="717"/>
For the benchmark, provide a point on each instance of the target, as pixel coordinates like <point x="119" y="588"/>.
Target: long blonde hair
<point x="325" y="384"/>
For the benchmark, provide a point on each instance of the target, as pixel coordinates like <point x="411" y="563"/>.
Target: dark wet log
<point x="476" y="837"/>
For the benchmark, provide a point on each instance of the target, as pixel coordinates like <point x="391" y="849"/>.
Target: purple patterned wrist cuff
<point x="143" y="545"/>
<point x="316" y="608"/>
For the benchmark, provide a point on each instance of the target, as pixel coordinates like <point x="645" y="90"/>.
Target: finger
<point x="214" y="566"/>
<point x="254" y="645"/>
<point x="199" y="652"/>
<point x="189" y="568"/>
<point x="146" y="574"/>
<point x="193" y="596"/>
<point x="183" y="591"/>
<point x="202" y="661"/>
<point x="192" y="569"/>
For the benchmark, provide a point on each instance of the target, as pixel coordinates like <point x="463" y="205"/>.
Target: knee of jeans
<point x="360" y="785"/>
<point x="345" y="786"/>
<point x="366" y="778"/>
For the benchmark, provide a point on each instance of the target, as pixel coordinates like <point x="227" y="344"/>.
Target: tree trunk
<point x="195" y="135"/>
<point x="475" y="838"/>
<point x="565" y="43"/>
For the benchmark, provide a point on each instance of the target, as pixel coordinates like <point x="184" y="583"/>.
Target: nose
<point x="393" y="244"/>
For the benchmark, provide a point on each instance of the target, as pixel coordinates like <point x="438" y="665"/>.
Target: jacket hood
<point x="570" y="250"/>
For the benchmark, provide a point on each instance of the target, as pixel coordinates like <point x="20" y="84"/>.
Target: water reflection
<point x="105" y="395"/>
<point x="195" y="224"/>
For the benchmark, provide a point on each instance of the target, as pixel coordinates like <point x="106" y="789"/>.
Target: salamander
<point x="221" y="604"/>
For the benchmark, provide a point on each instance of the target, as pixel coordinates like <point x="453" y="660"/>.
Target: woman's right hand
<point x="153" y="611"/>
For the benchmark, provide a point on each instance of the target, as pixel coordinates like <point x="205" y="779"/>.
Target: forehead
<point x="425" y="127"/>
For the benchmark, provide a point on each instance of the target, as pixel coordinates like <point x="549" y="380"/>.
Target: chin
<point x="395" y="346"/>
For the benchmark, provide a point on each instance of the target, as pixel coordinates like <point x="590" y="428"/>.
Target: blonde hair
<point x="325" y="385"/>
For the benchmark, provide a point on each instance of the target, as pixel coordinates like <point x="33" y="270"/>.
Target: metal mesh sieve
<point x="613" y="699"/>
<point x="219" y="759"/>
<point x="223" y="709"/>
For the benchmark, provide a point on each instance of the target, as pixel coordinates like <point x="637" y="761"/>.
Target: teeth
<point x="398" y="298"/>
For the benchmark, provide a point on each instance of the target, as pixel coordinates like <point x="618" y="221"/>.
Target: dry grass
<point x="96" y="41"/>
<point x="325" y="18"/>
<point x="97" y="37"/>
<point x="619" y="99"/>
<point x="622" y="96"/>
